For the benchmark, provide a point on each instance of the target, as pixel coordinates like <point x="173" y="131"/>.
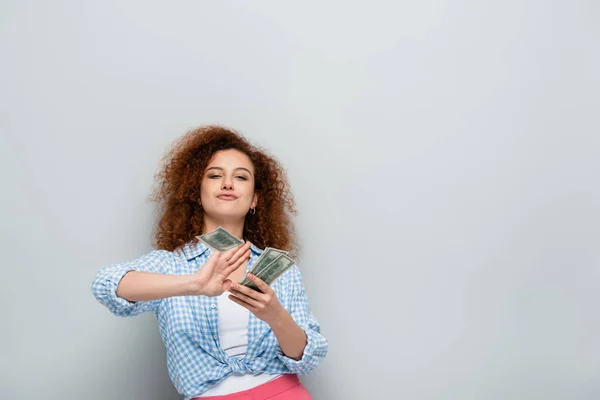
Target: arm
<point x="316" y="345"/>
<point x="267" y="307"/>
<point x="132" y="288"/>
<point x="297" y="331"/>
<point x="291" y="338"/>
<point x="145" y="286"/>
<point x="116" y="286"/>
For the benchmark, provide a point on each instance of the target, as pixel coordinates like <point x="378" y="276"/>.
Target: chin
<point x="226" y="215"/>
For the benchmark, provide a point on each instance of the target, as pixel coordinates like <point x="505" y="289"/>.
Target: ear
<point x="254" y="201"/>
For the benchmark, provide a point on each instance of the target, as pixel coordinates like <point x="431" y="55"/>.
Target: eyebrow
<point x="220" y="168"/>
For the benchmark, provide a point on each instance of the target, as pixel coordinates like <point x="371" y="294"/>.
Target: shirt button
<point x="213" y="306"/>
<point x="216" y="337"/>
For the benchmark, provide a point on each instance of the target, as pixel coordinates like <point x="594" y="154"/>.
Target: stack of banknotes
<point x="268" y="267"/>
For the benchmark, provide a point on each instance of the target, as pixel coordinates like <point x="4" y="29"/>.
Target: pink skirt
<point x="286" y="387"/>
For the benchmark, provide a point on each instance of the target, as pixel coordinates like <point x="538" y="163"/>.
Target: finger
<point x="227" y="254"/>
<point x="236" y="252"/>
<point x="248" y="291"/>
<point x="227" y="284"/>
<point x="262" y="285"/>
<point x="230" y="268"/>
<point x="249" y="300"/>
<point x="242" y="303"/>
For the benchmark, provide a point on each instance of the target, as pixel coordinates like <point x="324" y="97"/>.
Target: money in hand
<point x="267" y="256"/>
<point x="220" y="240"/>
<point x="271" y="272"/>
<point x="268" y="267"/>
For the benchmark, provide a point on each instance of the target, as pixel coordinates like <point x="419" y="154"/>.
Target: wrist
<point x="192" y="287"/>
<point x="280" y="317"/>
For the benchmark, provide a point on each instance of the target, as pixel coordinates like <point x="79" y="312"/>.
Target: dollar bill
<point x="220" y="239"/>
<point x="266" y="257"/>
<point x="269" y="265"/>
<point x="271" y="272"/>
<point x="276" y="268"/>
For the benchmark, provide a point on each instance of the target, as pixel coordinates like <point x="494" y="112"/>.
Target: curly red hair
<point x="178" y="192"/>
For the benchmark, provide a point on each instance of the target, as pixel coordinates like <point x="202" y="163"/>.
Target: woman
<point x="223" y="340"/>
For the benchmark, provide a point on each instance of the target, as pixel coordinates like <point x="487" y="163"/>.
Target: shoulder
<point x="291" y="280"/>
<point x="160" y="255"/>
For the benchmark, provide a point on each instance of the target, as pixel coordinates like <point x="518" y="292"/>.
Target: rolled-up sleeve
<point x="104" y="286"/>
<point x="316" y="345"/>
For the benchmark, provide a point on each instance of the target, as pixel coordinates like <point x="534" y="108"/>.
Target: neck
<point x="236" y="228"/>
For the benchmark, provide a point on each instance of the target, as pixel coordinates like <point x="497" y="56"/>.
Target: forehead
<point x="230" y="159"/>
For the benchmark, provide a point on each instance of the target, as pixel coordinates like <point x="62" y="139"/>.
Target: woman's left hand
<point x="264" y="305"/>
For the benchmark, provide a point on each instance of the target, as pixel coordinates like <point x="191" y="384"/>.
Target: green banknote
<point x="220" y="239"/>
<point x="272" y="271"/>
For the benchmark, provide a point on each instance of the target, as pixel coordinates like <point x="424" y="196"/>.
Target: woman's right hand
<point x="211" y="279"/>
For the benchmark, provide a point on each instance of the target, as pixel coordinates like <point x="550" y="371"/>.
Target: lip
<point x="228" y="197"/>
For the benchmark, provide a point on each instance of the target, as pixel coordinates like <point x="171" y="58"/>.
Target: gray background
<point x="444" y="156"/>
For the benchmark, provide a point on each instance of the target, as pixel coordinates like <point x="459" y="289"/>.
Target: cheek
<point x="249" y="192"/>
<point x="206" y="188"/>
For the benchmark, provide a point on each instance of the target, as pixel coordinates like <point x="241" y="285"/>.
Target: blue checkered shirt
<point x="189" y="324"/>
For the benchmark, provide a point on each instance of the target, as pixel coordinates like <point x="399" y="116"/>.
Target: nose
<point x="227" y="183"/>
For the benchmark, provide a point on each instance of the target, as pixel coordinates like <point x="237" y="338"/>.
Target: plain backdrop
<point x="444" y="156"/>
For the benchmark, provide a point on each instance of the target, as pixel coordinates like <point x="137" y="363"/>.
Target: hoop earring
<point x="253" y="211"/>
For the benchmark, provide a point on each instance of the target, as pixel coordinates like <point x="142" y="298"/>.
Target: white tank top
<point x="233" y="337"/>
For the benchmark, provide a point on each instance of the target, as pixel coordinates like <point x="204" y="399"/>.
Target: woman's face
<point x="227" y="190"/>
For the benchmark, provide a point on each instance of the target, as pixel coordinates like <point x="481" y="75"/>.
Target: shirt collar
<point x="192" y="250"/>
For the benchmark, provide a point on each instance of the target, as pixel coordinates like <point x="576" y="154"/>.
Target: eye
<point x="242" y="177"/>
<point x="214" y="176"/>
